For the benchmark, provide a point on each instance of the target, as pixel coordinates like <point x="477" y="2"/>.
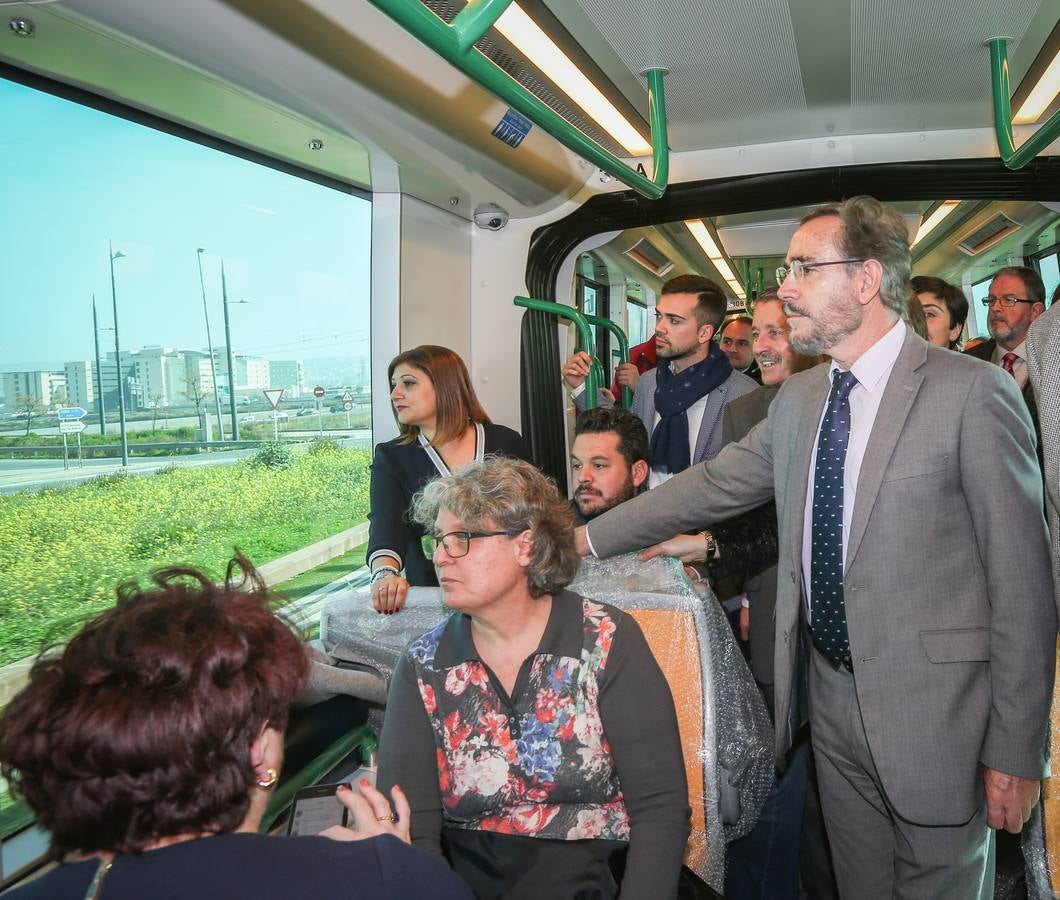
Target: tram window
<point x="592" y="299"/>
<point x="91" y="193"/>
<point x="979" y="290"/>
<point x="1049" y="269"/>
<point x="637" y="319"/>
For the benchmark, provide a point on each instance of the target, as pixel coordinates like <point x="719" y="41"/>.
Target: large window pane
<point x="184" y="228"/>
<point x="1050" y="272"/>
<point x="979" y="291"/>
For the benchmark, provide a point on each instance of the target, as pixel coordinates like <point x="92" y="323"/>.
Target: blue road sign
<point x="72" y="413"/>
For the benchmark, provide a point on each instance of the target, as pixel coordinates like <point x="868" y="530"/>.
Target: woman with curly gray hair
<point x="532" y="731"/>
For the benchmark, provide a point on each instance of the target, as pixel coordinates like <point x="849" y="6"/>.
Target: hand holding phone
<point x="316" y="808"/>
<point x="372" y="814"/>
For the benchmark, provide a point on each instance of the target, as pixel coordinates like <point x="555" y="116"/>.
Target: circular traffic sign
<point x="318" y="392"/>
<point x="347" y="406"/>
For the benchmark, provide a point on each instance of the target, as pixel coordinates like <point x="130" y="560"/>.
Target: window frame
<point x="120" y="110"/>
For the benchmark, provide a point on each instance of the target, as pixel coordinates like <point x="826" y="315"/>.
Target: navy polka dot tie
<point x="826" y="560"/>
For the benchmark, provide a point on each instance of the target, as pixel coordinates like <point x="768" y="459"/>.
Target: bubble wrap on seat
<point x="352" y="631"/>
<point x="1041" y="835"/>
<point x="734" y="745"/>
<point x="737" y="741"/>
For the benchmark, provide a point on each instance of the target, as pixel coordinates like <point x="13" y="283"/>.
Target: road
<point x="31" y="474"/>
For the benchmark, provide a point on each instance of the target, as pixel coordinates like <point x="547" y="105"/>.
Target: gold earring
<point x="266" y="783"/>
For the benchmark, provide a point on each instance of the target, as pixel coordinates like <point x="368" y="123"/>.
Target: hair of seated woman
<point x="141" y="728"/>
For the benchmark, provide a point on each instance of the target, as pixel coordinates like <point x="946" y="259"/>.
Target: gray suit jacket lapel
<point x="800" y="469"/>
<point x="716" y="400"/>
<point x="898" y="397"/>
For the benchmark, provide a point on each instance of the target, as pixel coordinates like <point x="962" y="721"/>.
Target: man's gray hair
<point x="507" y="495"/>
<point x="873" y="230"/>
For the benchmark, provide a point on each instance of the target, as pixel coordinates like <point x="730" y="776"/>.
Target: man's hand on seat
<point x="688" y="548"/>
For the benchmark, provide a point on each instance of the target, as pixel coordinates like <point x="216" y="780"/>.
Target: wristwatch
<point x="711" y="545"/>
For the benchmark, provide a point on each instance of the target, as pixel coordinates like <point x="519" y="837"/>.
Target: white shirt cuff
<point x="390" y="553"/>
<point x="589" y="541"/>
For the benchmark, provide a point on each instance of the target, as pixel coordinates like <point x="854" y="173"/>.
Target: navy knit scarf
<point x="673" y="395"/>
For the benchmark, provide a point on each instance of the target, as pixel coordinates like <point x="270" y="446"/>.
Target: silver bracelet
<point x="382" y="572"/>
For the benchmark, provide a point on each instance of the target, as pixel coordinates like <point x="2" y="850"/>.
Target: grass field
<point x="63" y="551"/>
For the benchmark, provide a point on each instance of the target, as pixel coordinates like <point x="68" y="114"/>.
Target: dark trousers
<point x="764" y="864"/>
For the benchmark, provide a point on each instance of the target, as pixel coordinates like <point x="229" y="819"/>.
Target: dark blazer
<point x="985" y="352"/>
<point x="398" y="472"/>
<point x="738" y="418"/>
<point x="948" y="584"/>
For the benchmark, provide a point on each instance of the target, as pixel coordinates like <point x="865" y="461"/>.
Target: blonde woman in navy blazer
<point x="443" y="428"/>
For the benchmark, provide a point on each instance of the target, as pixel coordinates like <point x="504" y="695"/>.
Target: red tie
<point x="1008" y="362"/>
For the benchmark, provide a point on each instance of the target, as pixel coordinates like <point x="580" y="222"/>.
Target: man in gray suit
<point x="680" y="401"/>
<point x="1043" y="364"/>
<point x="915" y="582"/>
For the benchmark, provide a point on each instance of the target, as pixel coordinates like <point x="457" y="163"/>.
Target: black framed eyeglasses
<point x="1008" y="301"/>
<point x="800" y="269"/>
<point x="457" y="543"/>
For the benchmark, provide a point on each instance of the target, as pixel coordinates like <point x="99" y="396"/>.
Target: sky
<point x="74" y="179"/>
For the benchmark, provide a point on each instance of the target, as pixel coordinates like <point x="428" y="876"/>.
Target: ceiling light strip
<point x="1041" y="96"/>
<point x="705" y="240"/>
<point x="932" y="222"/>
<point x="525" y="34"/>
<point x="425" y="25"/>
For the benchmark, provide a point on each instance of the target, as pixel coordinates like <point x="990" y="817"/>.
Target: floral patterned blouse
<point x="585" y="748"/>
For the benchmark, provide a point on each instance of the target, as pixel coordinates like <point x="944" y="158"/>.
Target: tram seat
<point x="312" y="729"/>
<point x="671" y="635"/>
<point x="725" y="730"/>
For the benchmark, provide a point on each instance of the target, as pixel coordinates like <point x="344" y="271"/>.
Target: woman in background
<point x="443" y="428"/>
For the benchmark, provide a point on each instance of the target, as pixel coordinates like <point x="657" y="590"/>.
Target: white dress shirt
<point x="1019" y="367"/>
<point x="872" y="370"/>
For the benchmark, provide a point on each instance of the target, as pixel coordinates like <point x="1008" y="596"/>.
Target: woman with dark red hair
<point x="148" y="749"/>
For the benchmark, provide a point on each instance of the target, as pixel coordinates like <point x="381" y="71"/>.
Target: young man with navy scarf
<point x="681" y="400"/>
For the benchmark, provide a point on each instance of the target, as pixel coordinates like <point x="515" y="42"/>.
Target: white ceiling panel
<point x="715" y="72"/>
<point x="936" y="55"/>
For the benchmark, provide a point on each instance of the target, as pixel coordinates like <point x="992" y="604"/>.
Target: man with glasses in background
<point x="1015" y="300"/>
<point x="914" y="605"/>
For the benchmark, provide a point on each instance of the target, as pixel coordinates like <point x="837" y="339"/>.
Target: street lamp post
<point x="117" y="358"/>
<point x="228" y="346"/>
<point x="99" y="369"/>
<point x="209" y="346"/>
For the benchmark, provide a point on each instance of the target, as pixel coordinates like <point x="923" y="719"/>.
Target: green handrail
<point x="475" y="19"/>
<point x="455" y="42"/>
<point x="595" y="377"/>
<point x="623" y="349"/>
<point x="1012" y="157"/>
